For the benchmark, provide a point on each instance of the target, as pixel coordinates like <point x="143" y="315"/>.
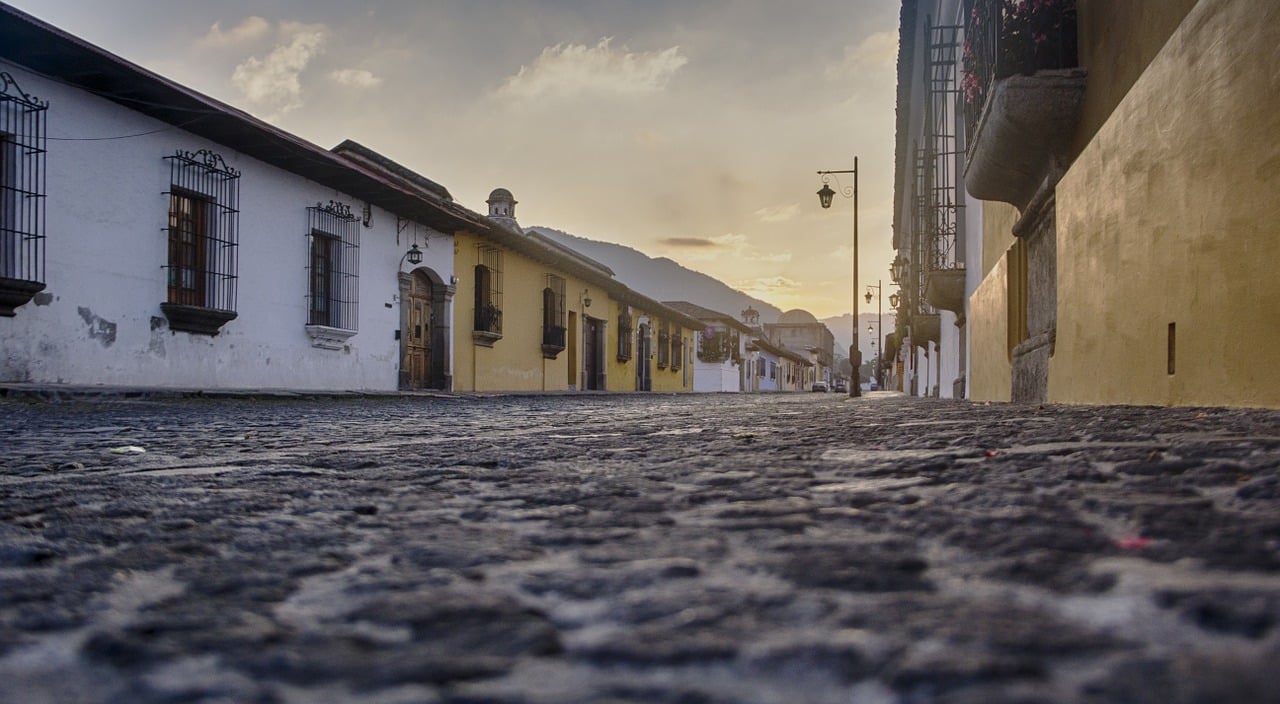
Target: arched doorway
<point x="424" y="331"/>
<point x="417" y="334"/>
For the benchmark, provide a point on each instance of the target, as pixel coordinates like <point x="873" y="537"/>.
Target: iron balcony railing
<point x="553" y="337"/>
<point x="488" y="318"/>
<point x="1008" y="37"/>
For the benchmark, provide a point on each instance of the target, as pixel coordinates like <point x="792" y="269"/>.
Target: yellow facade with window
<point x="523" y="324"/>
<point x="1169" y="225"/>
<point x="1166" y="217"/>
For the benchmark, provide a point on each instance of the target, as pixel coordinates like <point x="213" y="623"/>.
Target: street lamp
<point x="879" y="323"/>
<point x="824" y="197"/>
<point x="898" y="269"/>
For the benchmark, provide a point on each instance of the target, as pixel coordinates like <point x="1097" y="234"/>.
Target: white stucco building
<point x="155" y="237"/>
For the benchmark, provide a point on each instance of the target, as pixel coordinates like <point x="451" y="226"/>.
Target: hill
<point x="663" y="279"/>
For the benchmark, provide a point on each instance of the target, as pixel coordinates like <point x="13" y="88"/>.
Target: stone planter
<point x="1023" y="139"/>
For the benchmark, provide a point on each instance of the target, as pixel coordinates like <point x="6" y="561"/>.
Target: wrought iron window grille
<point x="203" y="238"/>
<point x="664" y="345"/>
<point x="553" y="315"/>
<point x="488" y="294"/>
<point x="23" y="147"/>
<point x="333" y="266"/>
<point x="624" y="333"/>
<point x="943" y="159"/>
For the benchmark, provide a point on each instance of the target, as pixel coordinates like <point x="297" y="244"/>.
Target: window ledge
<point x="327" y="338"/>
<point x="16" y="292"/>
<point x="196" y="319"/>
<point x="484" y="338"/>
<point x="552" y="351"/>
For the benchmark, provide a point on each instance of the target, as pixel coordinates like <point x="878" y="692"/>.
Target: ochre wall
<point x="515" y="362"/>
<point x="1118" y="40"/>
<point x="1171" y="215"/>
<point x="990" y="375"/>
<point x="997" y="232"/>
<point x="622" y="373"/>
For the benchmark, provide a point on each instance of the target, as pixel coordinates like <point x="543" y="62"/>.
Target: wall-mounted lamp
<point x="893" y="300"/>
<point x="414" y="255"/>
<point x="366" y="215"/>
<point x="586" y="298"/>
<point x="453" y="280"/>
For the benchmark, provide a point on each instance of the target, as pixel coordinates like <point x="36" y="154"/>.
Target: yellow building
<point x="532" y="315"/>
<point x="1124" y="154"/>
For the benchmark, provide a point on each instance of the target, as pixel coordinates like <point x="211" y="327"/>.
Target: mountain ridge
<point x="662" y="278"/>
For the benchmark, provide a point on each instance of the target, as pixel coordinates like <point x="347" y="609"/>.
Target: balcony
<point x="15" y="293"/>
<point x="1022" y="91"/>
<point x="552" y="342"/>
<point x="925" y="328"/>
<point x="488" y="325"/>
<point x="944" y="289"/>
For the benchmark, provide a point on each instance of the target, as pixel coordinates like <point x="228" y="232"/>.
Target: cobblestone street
<point x="710" y="549"/>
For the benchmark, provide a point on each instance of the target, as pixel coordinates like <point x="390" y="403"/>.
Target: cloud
<point x="688" y="242"/>
<point x="700" y="249"/>
<point x="272" y="83"/>
<point x="572" y="69"/>
<point x="355" y="77"/>
<point x="250" y="28"/>
<point x="878" y="52"/>
<point x="768" y="285"/>
<point x="778" y="213"/>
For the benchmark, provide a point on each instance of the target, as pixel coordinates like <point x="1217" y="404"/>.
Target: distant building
<point x="721" y="345"/>
<point x="800" y="331"/>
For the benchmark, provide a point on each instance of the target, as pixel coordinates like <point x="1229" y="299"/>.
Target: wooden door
<point x="644" y="379"/>
<point x="418" y="336"/>
<point x="591" y="355"/>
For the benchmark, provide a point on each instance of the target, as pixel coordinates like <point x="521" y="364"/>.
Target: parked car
<point x="840" y="387"/>
<point x="819" y="386"/>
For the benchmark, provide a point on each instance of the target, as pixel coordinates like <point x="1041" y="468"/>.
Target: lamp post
<point x="894" y="299"/>
<point x="879" y="324"/>
<point x="824" y="197"/>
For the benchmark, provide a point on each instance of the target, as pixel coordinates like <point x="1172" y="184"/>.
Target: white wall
<point x="106" y="249"/>
<point x="715" y="377"/>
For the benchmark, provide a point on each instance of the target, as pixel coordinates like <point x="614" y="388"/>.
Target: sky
<point x="688" y="129"/>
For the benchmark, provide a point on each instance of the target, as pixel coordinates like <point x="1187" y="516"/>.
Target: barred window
<point x="22" y="186"/>
<point x="488" y="291"/>
<point x="677" y="350"/>
<point x="333" y="267"/>
<point x="553" y="313"/>
<point x="664" y="345"/>
<point x="203" y="242"/>
<point x="624" y="333"/>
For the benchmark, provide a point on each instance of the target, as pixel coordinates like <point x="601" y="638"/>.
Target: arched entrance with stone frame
<point x="426" y="302"/>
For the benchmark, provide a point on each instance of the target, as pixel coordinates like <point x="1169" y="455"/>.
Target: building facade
<point x="1123" y="238"/>
<point x="537" y="316"/>
<point x="799" y="331"/>
<point x="137" y="251"/>
<point x="142" y="248"/>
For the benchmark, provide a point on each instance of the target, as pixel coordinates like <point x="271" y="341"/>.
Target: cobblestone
<point x="800" y="548"/>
